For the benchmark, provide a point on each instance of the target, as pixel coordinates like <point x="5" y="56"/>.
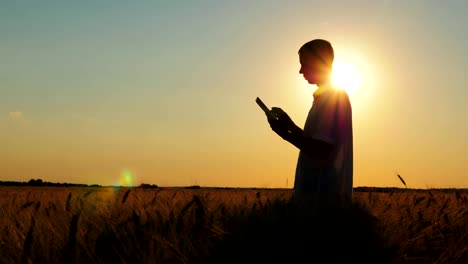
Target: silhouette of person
<point x="325" y="163"/>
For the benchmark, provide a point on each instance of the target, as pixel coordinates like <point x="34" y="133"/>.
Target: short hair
<point x="321" y="49"/>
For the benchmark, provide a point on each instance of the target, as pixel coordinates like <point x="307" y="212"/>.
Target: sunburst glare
<point x="345" y="76"/>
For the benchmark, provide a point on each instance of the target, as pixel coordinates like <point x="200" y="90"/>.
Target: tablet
<point x="265" y="108"/>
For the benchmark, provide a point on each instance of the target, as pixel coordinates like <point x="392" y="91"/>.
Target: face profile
<point x="313" y="69"/>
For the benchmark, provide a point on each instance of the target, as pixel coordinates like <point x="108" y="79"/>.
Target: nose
<point x="300" y="70"/>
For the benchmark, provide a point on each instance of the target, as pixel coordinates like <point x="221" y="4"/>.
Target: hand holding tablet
<point x="265" y="109"/>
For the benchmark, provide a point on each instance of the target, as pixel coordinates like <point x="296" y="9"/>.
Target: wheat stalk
<point x="401" y="179"/>
<point x="125" y="196"/>
<point x="28" y="243"/>
<point x="68" y="204"/>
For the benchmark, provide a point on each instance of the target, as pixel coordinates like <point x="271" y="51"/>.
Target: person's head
<point x="316" y="58"/>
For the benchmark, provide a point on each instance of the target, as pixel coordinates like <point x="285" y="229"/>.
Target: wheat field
<point x="179" y="225"/>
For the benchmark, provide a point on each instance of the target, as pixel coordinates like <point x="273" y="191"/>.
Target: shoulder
<point x="342" y="97"/>
<point x="341" y="101"/>
<point x="341" y="94"/>
<point x="338" y="96"/>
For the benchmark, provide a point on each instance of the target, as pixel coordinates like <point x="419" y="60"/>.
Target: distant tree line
<point x="40" y="182"/>
<point x="396" y="189"/>
<point x="146" y="185"/>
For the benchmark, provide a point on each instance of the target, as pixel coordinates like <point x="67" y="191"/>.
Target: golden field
<point x="181" y="225"/>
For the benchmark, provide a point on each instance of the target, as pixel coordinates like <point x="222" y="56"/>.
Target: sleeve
<point x="343" y="118"/>
<point x="333" y="119"/>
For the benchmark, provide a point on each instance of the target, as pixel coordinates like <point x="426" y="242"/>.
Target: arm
<point x="334" y="125"/>
<point x="314" y="148"/>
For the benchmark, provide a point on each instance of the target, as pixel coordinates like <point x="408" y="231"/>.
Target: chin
<point x="311" y="80"/>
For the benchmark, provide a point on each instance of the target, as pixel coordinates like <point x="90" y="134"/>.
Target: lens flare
<point x="126" y="178"/>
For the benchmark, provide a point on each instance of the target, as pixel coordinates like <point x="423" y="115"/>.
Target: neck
<point x="322" y="87"/>
<point x="323" y="83"/>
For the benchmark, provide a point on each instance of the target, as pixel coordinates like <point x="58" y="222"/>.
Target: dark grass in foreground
<point x="111" y="225"/>
<point x="288" y="231"/>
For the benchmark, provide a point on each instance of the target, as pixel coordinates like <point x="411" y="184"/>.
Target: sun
<point x="345" y="76"/>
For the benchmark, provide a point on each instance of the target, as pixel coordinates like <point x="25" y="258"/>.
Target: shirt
<point x="329" y="120"/>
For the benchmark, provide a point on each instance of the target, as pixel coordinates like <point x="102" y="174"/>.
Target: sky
<point x="163" y="92"/>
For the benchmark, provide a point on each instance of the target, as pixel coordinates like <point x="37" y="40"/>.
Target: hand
<point x="283" y="118"/>
<point x="279" y="127"/>
<point x="282" y="123"/>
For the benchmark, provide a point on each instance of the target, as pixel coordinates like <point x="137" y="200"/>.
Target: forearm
<point x="290" y="132"/>
<point x="314" y="148"/>
<point x="296" y="130"/>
